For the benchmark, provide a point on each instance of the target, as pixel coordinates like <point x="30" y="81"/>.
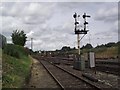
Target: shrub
<point x="19" y="37"/>
<point x="14" y="50"/>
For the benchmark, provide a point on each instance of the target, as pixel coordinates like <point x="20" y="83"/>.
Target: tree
<point x="65" y="48"/>
<point x="87" y="46"/>
<point x="19" y="37"/>
<point x="110" y="44"/>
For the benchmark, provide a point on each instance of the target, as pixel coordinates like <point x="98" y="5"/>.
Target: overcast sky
<point x="51" y="24"/>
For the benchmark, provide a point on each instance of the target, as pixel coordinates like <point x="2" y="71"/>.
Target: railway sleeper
<point x="90" y="77"/>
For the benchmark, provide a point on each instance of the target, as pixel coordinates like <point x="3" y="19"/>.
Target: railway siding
<point x="67" y="80"/>
<point x="105" y="80"/>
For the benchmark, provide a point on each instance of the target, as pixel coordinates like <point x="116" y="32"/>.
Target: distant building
<point x="2" y="41"/>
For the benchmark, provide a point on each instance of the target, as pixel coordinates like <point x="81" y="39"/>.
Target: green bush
<point x="19" y="37"/>
<point x="15" y="50"/>
<point x="16" y="66"/>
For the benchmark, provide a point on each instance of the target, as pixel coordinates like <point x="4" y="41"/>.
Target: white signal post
<point x="78" y="32"/>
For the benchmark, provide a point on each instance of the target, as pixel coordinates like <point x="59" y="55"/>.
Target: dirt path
<point x="40" y="77"/>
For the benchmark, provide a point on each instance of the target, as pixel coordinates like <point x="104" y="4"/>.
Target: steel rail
<point x="97" y="87"/>
<point x="62" y="87"/>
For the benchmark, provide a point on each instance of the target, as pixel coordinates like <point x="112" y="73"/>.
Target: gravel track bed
<point x="40" y="78"/>
<point x="67" y="80"/>
<point x="107" y="80"/>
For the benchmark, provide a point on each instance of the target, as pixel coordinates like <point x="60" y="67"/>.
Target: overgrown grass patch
<point x="15" y="50"/>
<point x="110" y="52"/>
<point x="15" y="70"/>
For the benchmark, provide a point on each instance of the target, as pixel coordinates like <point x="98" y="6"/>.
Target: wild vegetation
<point x="16" y="65"/>
<point x="19" y="37"/>
<point x="106" y="51"/>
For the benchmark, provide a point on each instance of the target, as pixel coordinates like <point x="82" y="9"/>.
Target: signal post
<point x="79" y="63"/>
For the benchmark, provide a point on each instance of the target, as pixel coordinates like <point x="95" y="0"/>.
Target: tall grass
<point x="15" y="70"/>
<point x="15" y="50"/>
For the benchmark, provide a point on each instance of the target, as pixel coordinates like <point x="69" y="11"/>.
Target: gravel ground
<point x="105" y="79"/>
<point x="40" y="77"/>
<point x="67" y="80"/>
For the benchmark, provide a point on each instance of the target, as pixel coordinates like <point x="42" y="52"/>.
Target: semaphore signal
<point x="79" y="31"/>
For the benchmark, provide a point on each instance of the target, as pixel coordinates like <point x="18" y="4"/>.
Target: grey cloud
<point x="79" y="5"/>
<point x="52" y="24"/>
<point x="24" y="15"/>
<point x="34" y="20"/>
<point x="12" y="9"/>
<point x="30" y="13"/>
<point x="38" y="16"/>
<point x="107" y="14"/>
<point x="50" y="38"/>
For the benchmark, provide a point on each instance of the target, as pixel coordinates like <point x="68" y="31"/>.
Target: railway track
<point x="107" y="67"/>
<point x="67" y="80"/>
<point x="111" y="67"/>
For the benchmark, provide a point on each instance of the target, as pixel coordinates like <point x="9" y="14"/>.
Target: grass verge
<point x="15" y="70"/>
